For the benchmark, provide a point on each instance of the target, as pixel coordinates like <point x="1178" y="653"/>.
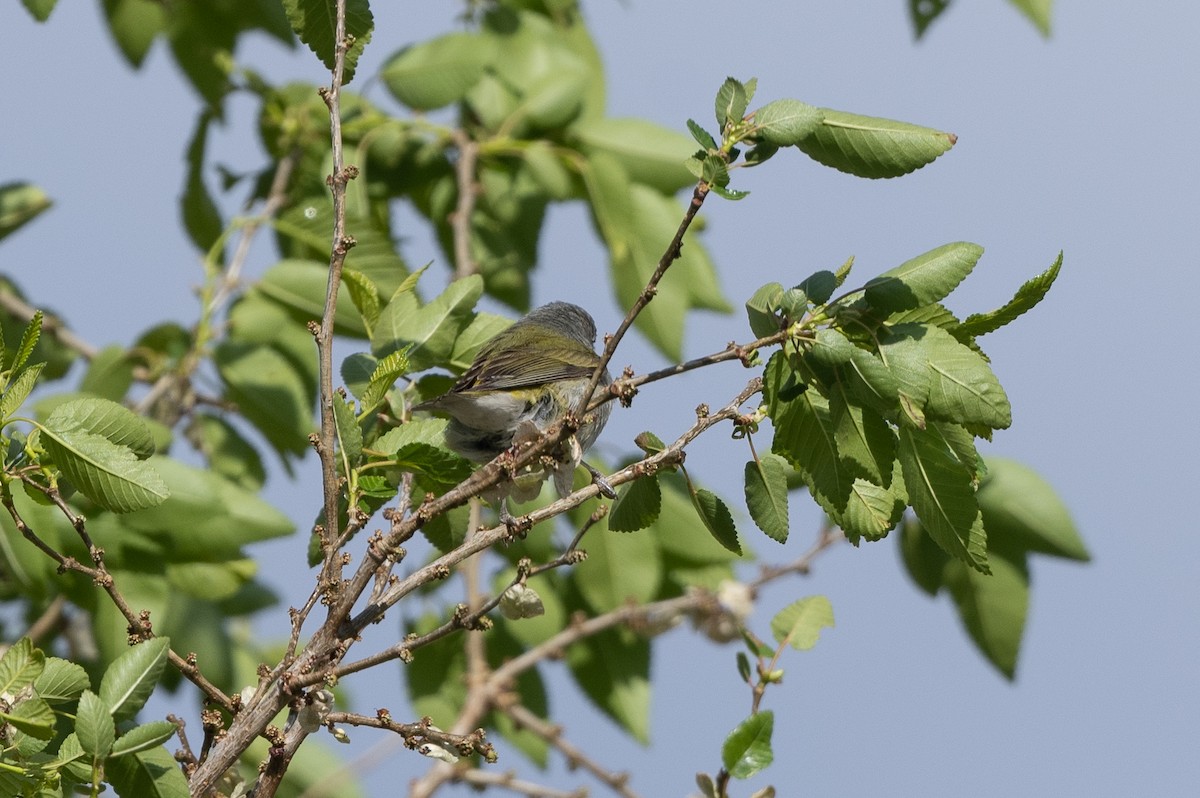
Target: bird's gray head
<point x="563" y="317"/>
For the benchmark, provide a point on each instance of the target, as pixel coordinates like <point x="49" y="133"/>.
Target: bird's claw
<point x="518" y="528"/>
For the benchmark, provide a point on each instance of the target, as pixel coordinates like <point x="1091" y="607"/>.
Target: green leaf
<point x="865" y="442"/>
<point x="799" y="624"/>
<point x="40" y="9"/>
<point x="61" y="681"/>
<point x="547" y="168"/>
<point x="19" y="390"/>
<point x="429" y="431"/>
<point x="637" y="507"/>
<point x="31" y="716"/>
<point x="805" y="436"/>
<point x="143" y="737"/>
<point x="1021" y="510"/>
<point x="70" y="754"/>
<point x="20" y="203"/>
<point x="731" y="103"/>
<point x="871" y="510"/>
<point x="529" y="690"/>
<point x="134" y="24"/>
<point x="29" y="339"/>
<point x="613" y="670"/>
<point x="132" y="677"/>
<point x="649" y="219"/>
<point x="728" y="193"/>
<point x="924" y="12"/>
<point x="556" y="98"/>
<point x="437" y="72"/>
<point x="356" y="374"/>
<point x="717" y="518"/>
<point x="759" y="153"/>
<point x="109" y="374"/>
<point x="201" y="217"/>
<point x="648" y="153"/>
<point x="1038" y="12"/>
<point x="619" y="568"/>
<point x="227" y="452"/>
<point x="202" y="44"/>
<point x="304" y="235"/>
<point x="444" y="467"/>
<point x="365" y="296"/>
<point x="945" y="379"/>
<point x="116" y="423"/>
<point x="702" y="136"/>
<point x="683" y="542"/>
<point x="715" y="171"/>
<point x="942" y="496"/>
<point x="785" y="122"/>
<point x="108" y="474"/>
<point x="763" y="310"/>
<point x="924" y="560"/>
<point x="1026" y="298"/>
<point x="383" y="377"/>
<point x="302" y="284"/>
<point x="20" y="666"/>
<point x="269" y="391"/>
<point x="767" y="495"/>
<point x="94" y="725"/>
<point x="314" y="22"/>
<point x="436" y="676"/>
<point x="430" y="330"/>
<point x="743" y="667"/>
<point x="747" y="749"/>
<point x="819" y="286"/>
<point x="207" y="518"/>
<point x="349" y="435"/>
<point x="993" y="607"/>
<point x="871" y="147"/>
<point x="211" y="580"/>
<point x="482" y="328"/>
<point x="961" y="443"/>
<point x="924" y="279"/>
<point x="870" y="382"/>
<point x="843" y="272"/>
<point x="153" y="773"/>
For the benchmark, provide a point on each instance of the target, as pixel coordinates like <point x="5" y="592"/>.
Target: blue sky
<point x="1084" y="142"/>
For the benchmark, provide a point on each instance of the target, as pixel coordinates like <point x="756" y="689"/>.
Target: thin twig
<point x="276" y="197"/>
<point x="486" y="538"/>
<point x="420" y="733"/>
<point x="274" y="695"/>
<point x="468" y="191"/>
<point x="483" y="779"/>
<point x="576" y="757"/>
<point x="51" y="325"/>
<point x="51" y="618"/>
<point x="139" y="622"/>
<point x="648" y="293"/>
<point x="339" y="248"/>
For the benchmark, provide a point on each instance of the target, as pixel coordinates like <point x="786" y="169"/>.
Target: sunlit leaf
<point x="799" y="624"/>
<point x="871" y="147"/>
<point x="747" y="749"/>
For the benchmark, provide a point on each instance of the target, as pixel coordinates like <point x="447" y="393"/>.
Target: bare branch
<point x="468" y="191"/>
<point x="575" y="756"/>
<point x="668" y="257"/>
<point x="483" y="779"/>
<point x="51" y="325"/>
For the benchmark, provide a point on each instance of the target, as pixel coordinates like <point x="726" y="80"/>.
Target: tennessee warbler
<point x="522" y="381"/>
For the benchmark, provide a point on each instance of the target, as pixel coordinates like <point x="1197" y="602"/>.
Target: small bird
<point x="524" y="380"/>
